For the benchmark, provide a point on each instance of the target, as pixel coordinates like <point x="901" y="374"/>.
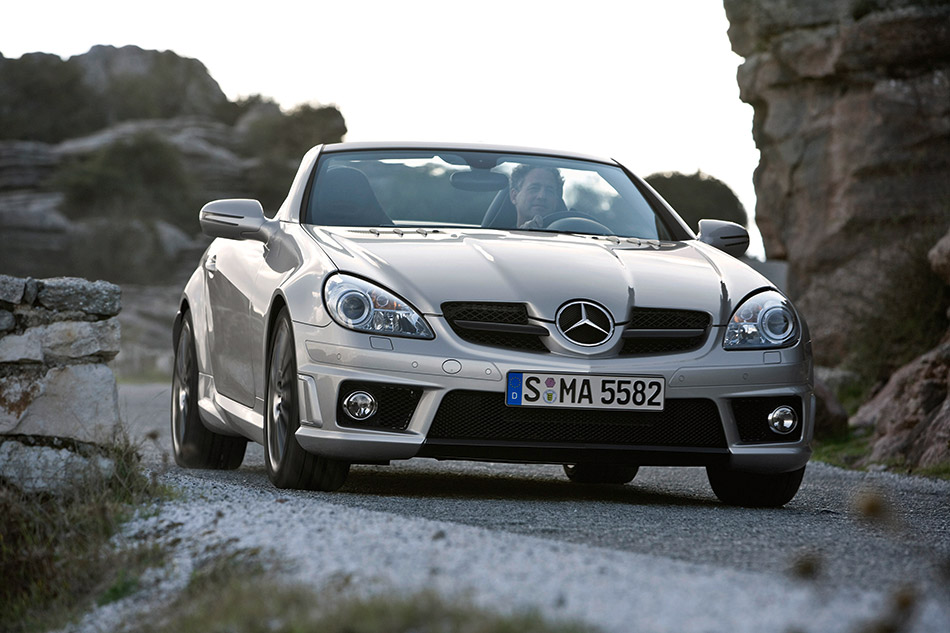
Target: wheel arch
<point x="183" y="308"/>
<point x="278" y="303"/>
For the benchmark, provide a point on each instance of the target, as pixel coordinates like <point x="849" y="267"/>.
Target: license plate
<point x="583" y="391"/>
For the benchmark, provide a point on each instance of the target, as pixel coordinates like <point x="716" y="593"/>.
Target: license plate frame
<point x="607" y="392"/>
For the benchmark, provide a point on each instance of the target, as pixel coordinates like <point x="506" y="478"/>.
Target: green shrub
<point x="907" y="319"/>
<point x="138" y="178"/>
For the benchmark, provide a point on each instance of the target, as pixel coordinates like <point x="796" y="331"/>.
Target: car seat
<point x="344" y="197"/>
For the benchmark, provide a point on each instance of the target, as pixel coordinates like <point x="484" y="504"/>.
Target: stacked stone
<point x="56" y="336"/>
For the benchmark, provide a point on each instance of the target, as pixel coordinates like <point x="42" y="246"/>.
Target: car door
<point x="230" y="270"/>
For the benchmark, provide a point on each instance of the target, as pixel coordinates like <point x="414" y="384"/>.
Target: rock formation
<point x="168" y="85"/>
<point x="852" y="117"/>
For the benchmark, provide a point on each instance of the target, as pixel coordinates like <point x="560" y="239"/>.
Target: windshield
<point x="435" y="189"/>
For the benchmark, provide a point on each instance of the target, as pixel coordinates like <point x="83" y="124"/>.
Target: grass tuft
<point x="845" y="451"/>
<point x="225" y="595"/>
<point x="55" y="556"/>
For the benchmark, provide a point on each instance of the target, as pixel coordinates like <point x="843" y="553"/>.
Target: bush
<point x="908" y="316"/>
<point x="143" y="177"/>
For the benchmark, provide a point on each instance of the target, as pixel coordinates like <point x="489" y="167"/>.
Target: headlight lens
<point x="763" y="321"/>
<point x="360" y="305"/>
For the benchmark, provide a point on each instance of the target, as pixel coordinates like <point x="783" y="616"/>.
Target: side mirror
<point x="236" y="219"/>
<point x="728" y="237"/>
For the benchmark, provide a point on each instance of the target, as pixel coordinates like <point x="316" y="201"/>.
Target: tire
<point x="288" y="465"/>
<point x="754" y="490"/>
<point x="194" y="445"/>
<point x="589" y="473"/>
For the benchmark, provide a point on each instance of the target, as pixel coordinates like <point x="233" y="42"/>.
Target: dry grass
<point x="55" y="557"/>
<point x="226" y="596"/>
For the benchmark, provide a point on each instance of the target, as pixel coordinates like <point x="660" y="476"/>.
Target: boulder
<point x="11" y="289"/>
<point x="42" y="465"/>
<point x="939" y="257"/>
<point x="79" y="402"/>
<point x="73" y="293"/>
<point x="74" y="340"/>
<point x="911" y="414"/>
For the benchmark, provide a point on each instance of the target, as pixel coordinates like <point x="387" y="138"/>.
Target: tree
<point x="43" y="98"/>
<point x="699" y="196"/>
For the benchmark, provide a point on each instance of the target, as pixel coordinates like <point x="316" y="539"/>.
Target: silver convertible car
<point x="486" y="303"/>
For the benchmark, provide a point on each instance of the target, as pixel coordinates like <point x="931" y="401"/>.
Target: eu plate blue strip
<point x="513" y="395"/>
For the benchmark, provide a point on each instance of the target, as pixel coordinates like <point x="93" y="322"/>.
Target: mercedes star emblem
<point x="585" y="323"/>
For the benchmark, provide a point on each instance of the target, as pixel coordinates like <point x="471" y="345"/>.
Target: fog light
<point x="783" y="420"/>
<point x="360" y="405"/>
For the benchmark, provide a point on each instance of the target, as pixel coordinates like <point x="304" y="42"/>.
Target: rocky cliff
<point x="852" y="117"/>
<point x="105" y="159"/>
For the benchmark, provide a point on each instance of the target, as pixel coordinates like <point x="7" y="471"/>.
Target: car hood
<point x="542" y="270"/>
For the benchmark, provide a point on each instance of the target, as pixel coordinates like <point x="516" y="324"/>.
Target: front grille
<point x="495" y="324"/>
<point x="752" y="419"/>
<point x="659" y="331"/>
<point x="479" y="415"/>
<point x="396" y="405"/>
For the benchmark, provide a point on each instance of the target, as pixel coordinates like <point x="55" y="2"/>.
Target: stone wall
<point x="852" y="118"/>
<point x="56" y="338"/>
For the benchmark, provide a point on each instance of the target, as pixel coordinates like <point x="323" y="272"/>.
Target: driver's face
<point x="538" y="195"/>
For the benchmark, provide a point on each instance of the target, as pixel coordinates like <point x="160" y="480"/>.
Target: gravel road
<point x="659" y="554"/>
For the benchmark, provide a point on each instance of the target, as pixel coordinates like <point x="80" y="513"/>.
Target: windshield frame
<point x="666" y="215"/>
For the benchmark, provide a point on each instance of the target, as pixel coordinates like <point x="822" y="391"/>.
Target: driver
<point x="536" y="192"/>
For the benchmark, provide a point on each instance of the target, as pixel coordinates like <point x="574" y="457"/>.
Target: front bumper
<point x="329" y="356"/>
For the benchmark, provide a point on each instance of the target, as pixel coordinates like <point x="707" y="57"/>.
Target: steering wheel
<point x="575" y="222"/>
<point x="567" y="213"/>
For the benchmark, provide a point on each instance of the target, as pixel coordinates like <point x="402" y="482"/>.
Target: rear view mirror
<point x="728" y="237"/>
<point x="478" y="180"/>
<point x="236" y="219"/>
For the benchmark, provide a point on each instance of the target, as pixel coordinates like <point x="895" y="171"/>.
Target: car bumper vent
<point x="396" y="404"/>
<point x="659" y="331"/>
<point x="478" y="415"/>
<point x="495" y="324"/>
<point x="752" y="414"/>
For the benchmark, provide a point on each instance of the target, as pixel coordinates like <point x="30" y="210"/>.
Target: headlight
<point x="359" y="305"/>
<point x="763" y="321"/>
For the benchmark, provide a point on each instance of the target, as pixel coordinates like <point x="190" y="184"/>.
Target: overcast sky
<point x="651" y="84"/>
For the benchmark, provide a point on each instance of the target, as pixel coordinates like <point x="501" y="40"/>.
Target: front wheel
<point x="193" y="444"/>
<point x="288" y="465"/>
<point x="590" y="473"/>
<point x="754" y="490"/>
